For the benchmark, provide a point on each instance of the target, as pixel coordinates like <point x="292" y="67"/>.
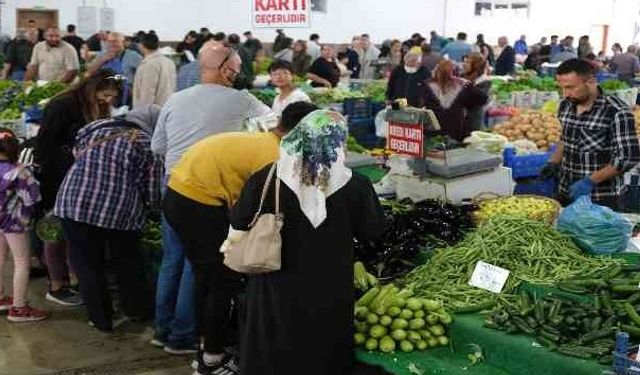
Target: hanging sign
<point x="281" y="13"/>
<point x="406" y="139"/>
<point x="87" y="20"/>
<point x="107" y="19"/>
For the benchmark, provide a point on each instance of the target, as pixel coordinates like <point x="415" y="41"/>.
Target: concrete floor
<point x="65" y="344"/>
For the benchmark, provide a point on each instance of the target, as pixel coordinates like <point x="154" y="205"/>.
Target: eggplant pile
<point x="409" y="228"/>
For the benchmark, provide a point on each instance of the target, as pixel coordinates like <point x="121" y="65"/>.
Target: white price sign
<point x="489" y="277"/>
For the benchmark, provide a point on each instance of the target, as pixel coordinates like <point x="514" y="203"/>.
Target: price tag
<point x="489" y="277"/>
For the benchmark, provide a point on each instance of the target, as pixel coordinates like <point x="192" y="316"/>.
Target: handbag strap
<point x="265" y="189"/>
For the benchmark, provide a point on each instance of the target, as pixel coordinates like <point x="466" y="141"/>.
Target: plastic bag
<point x="595" y="229"/>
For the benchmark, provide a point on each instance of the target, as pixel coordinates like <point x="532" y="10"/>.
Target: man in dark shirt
<point x="74" y="39"/>
<point x="280" y="42"/>
<point x="506" y="61"/>
<point x="18" y="56"/>
<point x="354" y="58"/>
<point x="253" y="45"/>
<point x="324" y="72"/>
<point x="406" y="80"/>
<point x="95" y="41"/>
<point x="246" y="76"/>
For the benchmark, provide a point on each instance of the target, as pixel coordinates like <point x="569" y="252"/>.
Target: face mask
<point x="410" y="70"/>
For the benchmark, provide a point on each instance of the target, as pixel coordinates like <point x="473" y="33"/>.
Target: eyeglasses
<point x="227" y="57"/>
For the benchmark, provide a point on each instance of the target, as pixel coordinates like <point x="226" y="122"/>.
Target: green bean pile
<point x="532" y="250"/>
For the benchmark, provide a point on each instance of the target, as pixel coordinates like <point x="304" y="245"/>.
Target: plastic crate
<point x="524" y="166"/>
<point x="361" y="128"/>
<point x="358" y="108"/>
<point x="532" y="186"/>
<point x="377" y="107"/>
<point x="601" y="76"/>
<point x="370" y="141"/>
<point x="622" y="365"/>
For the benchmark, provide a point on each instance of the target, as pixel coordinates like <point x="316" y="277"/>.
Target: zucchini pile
<point x="387" y="319"/>
<point x="564" y="322"/>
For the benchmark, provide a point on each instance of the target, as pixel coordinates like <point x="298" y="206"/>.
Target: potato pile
<point x="541" y="128"/>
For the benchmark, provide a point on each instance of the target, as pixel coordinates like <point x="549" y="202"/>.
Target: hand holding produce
<point x="580" y="188"/>
<point x="362" y="279"/>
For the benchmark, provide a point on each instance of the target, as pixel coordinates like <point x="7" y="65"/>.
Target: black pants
<point x="90" y="246"/>
<point x="202" y="229"/>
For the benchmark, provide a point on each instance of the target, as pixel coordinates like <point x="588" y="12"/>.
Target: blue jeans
<point x="175" y="294"/>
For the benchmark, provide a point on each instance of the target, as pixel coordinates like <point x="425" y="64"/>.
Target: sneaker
<point x="26" y="314"/>
<point x="6" y="304"/>
<point x="157" y="342"/>
<point x="64" y="297"/>
<point x="228" y="366"/>
<point x="93" y="325"/>
<point x="179" y="350"/>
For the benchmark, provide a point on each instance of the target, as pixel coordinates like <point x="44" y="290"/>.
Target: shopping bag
<point x="595" y="229"/>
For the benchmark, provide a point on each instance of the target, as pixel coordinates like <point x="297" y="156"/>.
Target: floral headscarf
<point x="312" y="160"/>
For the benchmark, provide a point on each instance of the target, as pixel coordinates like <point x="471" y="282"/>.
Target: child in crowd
<point x="19" y="194"/>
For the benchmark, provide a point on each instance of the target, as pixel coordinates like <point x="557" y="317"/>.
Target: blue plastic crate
<point x="358" y="108"/>
<point x="360" y="128"/>
<point x="524" y="166"/>
<point x="534" y="186"/>
<point x="622" y="365"/>
<point x="370" y="141"/>
<point x="601" y="77"/>
<point x="377" y="107"/>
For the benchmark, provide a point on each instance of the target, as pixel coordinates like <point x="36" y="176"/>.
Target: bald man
<point x="187" y="117"/>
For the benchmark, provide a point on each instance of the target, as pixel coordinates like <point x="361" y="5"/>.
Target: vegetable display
<point x="266" y="96"/>
<point x="564" y="325"/>
<point x="581" y="318"/>
<point x="504" y="89"/>
<point x="541" y="128"/>
<point x="408" y="228"/>
<point x="388" y="320"/>
<point x="532" y="250"/>
<point x="613" y="85"/>
<point x="532" y="207"/>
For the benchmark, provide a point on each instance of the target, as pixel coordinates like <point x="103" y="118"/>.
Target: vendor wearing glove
<point x="598" y="143"/>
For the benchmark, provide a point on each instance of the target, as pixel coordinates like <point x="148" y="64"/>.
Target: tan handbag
<point x="259" y="249"/>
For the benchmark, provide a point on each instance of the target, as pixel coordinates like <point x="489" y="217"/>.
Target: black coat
<point x="409" y="86"/>
<point x="505" y="64"/>
<point x="62" y="118"/>
<point x="298" y="320"/>
<point x="354" y="63"/>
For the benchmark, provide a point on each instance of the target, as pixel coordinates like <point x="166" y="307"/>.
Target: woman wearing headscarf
<point x="475" y="71"/>
<point x="451" y="98"/>
<point x="302" y="314"/>
<point x="103" y="203"/>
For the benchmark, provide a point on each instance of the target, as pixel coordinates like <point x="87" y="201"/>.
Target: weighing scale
<point x="408" y="130"/>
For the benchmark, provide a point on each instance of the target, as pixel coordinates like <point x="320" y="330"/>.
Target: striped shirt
<point x="604" y="135"/>
<point x="115" y="178"/>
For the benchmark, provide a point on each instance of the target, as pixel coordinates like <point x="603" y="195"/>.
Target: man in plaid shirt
<point x="599" y="141"/>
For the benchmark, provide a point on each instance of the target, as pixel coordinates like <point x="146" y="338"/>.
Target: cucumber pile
<point x="387" y="319"/>
<point x="564" y="322"/>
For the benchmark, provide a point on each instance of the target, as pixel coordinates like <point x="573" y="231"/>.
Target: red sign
<point x="281" y="13"/>
<point x="406" y="139"/>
